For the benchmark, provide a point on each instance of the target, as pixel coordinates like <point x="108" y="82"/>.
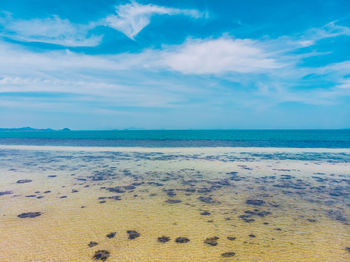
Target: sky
<point x="184" y="64"/>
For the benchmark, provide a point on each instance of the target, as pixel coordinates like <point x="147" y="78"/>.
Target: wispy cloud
<point x="131" y="18"/>
<point x="329" y="30"/>
<point x="52" y="30"/>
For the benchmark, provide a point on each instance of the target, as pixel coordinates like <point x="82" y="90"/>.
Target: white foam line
<point x="175" y="149"/>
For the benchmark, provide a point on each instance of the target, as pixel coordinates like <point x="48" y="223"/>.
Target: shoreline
<point x="173" y="149"/>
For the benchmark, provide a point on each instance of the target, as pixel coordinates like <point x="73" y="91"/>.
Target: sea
<point x="181" y="138"/>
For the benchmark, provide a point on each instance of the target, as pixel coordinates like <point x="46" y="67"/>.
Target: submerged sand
<point x="233" y="204"/>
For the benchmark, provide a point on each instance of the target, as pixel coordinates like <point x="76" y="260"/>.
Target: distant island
<point x="27" y="128"/>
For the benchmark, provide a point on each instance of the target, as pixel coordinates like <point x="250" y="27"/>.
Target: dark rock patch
<point x="116" y="189"/>
<point x="133" y="234"/>
<point x="255" y="202"/>
<point x="22" y="181"/>
<point x="212" y="241"/>
<point x="29" y="215"/>
<point x="101" y="255"/>
<point x="231" y="238"/>
<point x="173" y="201"/>
<point x="247" y="218"/>
<point x="205" y="213"/>
<point x="131" y="187"/>
<point x="182" y="240"/>
<point x="228" y="254"/>
<point x="163" y="239"/>
<point x="115" y="197"/>
<point x="207" y="200"/>
<point x="92" y="244"/>
<point x="2" y="193"/>
<point x="337" y="215"/>
<point x="171" y="193"/>
<point x="111" y="235"/>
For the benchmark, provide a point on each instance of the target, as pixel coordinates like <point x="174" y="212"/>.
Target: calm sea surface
<point x="182" y="138"/>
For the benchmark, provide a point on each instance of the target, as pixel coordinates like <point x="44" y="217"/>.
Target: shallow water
<point x="262" y="204"/>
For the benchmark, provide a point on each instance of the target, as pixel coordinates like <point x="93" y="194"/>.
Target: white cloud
<point x="133" y="17"/>
<point x="219" y="56"/>
<point x="52" y="30"/>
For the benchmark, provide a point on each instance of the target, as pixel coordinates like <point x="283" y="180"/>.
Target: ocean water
<point x="182" y="138"/>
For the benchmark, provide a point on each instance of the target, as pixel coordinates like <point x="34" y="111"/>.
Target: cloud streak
<point x="52" y="30"/>
<point x="131" y="18"/>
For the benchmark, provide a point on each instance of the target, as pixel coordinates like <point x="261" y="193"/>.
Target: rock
<point x="116" y="189"/>
<point x="255" y="202"/>
<point x="337" y="215"/>
<point x="182" y="240"/>
<point x="92" y="244"/>
<point x="247" y="218"/>
<point x="228" y="254"/>
<point x="22" y="181"/>
<point x="133" y="234"/>
<point x="173" y="201"/>
<point x="2" y="193"/>
<point x="231" y="238"/>
<point x="208" y="200"/>
<point x="171" y="193"/>
<point x="115" y="197"/>
<point x="101" y="255"/>
<point x="111" y="235"/>
<point x="251" y="235"/>
<point x="205" y="213"/>
<point x="131" y="187"/>
<point x="311" y="220"/>
<point x="163" y="239"/>
<point x="212" y="241"/>
<point x="29" y="215"/>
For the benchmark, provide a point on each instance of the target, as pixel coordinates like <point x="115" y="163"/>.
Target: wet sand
<point x="174" y="204"/>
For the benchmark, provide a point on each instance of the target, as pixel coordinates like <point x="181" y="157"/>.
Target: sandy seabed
<point x="205" y="204"/>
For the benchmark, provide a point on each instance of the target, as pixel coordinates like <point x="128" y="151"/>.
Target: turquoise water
<point x="181" y="138"/>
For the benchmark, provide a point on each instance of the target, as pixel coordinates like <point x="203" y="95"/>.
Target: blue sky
<point x="175" y="64"/>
